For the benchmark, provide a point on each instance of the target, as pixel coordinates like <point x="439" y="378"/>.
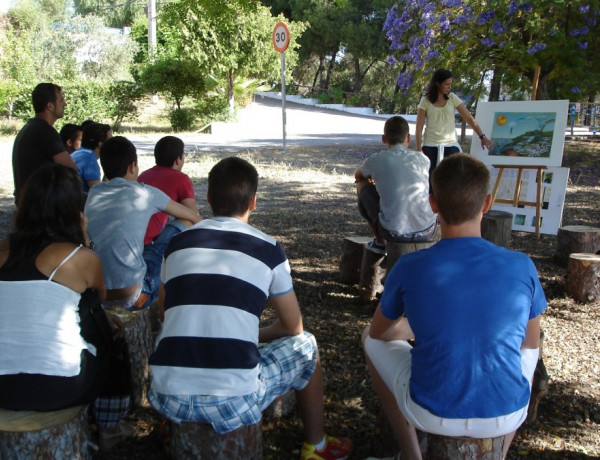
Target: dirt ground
<point x="307" y="201"/>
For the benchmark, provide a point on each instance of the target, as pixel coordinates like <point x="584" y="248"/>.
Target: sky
<point x="5" y="5"/>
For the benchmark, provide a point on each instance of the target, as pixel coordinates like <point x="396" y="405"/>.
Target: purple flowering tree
<point x="510" y="38"/>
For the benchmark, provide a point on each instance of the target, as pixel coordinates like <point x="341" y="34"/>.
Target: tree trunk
<point x="230" y="93"/>
<point x="357" y="76"/>
<point x="495" y="85"/>
<point x="319" y="71"/>
<point x="542" y="89"/>
<point x="330" y="68"/>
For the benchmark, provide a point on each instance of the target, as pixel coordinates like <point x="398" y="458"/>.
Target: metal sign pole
<point x="281" y="40"/>
<point x="283" y="98"/>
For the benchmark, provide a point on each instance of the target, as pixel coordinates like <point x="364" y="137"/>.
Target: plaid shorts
<point x="286" y="363"/>
<point x="109" y="410"/>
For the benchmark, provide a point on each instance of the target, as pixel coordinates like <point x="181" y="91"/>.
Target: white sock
<point x="321" y="445"/>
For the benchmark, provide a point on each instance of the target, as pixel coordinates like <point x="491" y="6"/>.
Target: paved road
<point x="260" y="124"/>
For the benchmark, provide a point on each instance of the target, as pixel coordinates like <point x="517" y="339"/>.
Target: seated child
<point x="393" y="190"/>
<point x="118" y="212"/>
<point x="166" y="176"/>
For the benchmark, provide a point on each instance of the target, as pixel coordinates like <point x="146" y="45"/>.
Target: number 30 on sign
<point x="281" y="37"/>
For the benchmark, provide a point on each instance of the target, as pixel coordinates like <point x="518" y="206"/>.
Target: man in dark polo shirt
<point x="38" y="143"/>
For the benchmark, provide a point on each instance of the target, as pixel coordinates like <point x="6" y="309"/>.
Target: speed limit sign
<point x="281" y="37"/>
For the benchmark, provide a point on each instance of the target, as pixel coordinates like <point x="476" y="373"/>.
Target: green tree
<point x="226" y="39"/>
<point x="510" y="38"/>
<point x="173" y="77"/>
<point x="117" y="13"/>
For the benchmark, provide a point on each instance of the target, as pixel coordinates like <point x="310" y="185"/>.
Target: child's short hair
<point x="93" y="134"/>
<point x="395" y="130"/>
<point x="167" y="150"/>
<point x="460" y="184"/>
<point x="69" y="132"/>
<point x="116" y="154"/>
<point x="232" y="183"/>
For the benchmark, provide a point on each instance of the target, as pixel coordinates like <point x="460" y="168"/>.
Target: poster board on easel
<point x="523" y="132"/>
<point x="528" y="137"/>
<point x="554" y="187"/>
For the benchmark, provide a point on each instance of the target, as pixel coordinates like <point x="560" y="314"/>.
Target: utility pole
<point x="152" y="36"/>
<point x="151" y="27"/>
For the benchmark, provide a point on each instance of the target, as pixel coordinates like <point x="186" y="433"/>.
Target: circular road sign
<point x="281" y="37"/>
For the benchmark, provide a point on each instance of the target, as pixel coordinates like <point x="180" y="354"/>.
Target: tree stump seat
<point x="435" y="447"/>
<point x="55" y="435"/>
<point x="282" y="406"/>
<point x="197" y="441"/>
<point x="496" y="227"/>
<point x="372" y="273"/>
<point x="352" y="253"/>
<point x="576" y="239"/>
<point x="583" y="277"/>
<point x="138" y="335"/>
<point x="395" y="250"/>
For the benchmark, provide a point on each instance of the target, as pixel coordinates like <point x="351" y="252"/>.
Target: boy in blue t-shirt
<point x="473" y="309"/>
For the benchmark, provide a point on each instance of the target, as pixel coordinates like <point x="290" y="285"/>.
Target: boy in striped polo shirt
<point x="213" y="363"/>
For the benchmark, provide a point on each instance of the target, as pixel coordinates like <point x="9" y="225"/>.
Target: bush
<point x="323" y="98"/>
<point x="124" y="94"/>
<point x="182" y="120"/>
<point x="337" y="94"/>
<point x="354" y="101"/>
<point x="213" y="108"/>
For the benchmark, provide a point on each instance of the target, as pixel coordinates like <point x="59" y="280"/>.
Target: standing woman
<point x="436" y="113"/>
<point x="57" y="345"/>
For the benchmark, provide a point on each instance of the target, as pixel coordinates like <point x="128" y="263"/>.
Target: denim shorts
<point x="286" y="364"/>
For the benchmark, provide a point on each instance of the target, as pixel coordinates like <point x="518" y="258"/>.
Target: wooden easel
<point x="515" y="200"/>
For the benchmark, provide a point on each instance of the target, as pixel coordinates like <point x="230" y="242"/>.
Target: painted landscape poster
<point x="523" y="132"/>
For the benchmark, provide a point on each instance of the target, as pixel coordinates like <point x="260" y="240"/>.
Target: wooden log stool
<point x="196" y="441"/>
<point x="496" y="227"/>
<point x="435" y="447"/>
<point x="576" y="238"/>
<point x="138" y="335"/>
<point x="372" y="273"/>
<point x="352" y="253"/>
<point x="282" y="406"/>
<point x="56" y="435"/>
<point x="583" y="277"/>
<point x="397" y="250"/>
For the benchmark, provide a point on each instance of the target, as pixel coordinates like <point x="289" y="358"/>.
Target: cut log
<point x="372" y="273"/>
<point x="56" y="435"/>
<point x="435" y="447"/>
<point x="496" y="227"/>
<point x="576" y="238"/>
<point x="138" y="335"/>
<point x="352" y="252"/>
<point x="396" y="250"/>
<point x="583" y="277"/>
<point x="196" y="441"/>
<point x="282" y="406"/>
